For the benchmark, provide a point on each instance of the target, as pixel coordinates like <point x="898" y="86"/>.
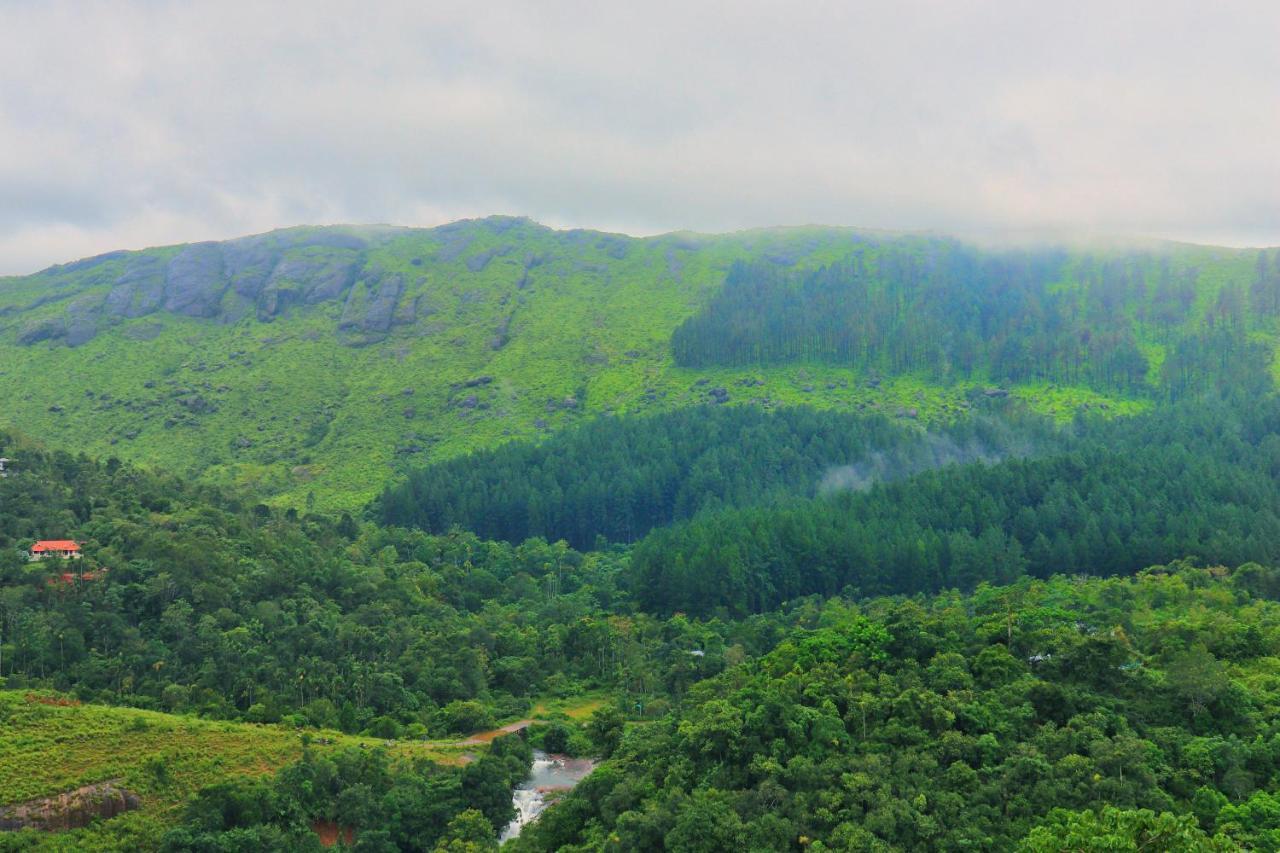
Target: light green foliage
<point x="1120" y="830"/>
<point x="313" y="408"/>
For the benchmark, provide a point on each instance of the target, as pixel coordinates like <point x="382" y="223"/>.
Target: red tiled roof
<point x="55" y="545"/>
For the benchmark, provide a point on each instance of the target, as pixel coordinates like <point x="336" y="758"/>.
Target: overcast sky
<point x="128" y="124"/>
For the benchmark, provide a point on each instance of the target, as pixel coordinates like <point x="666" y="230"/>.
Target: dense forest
<point x="1124" y="714"/>
<point x="192" y="600"/>
<point x="1198" y="479"/>
<point x="615" y="479"/>
<point x="793" y="623"/>
<point x="948" y="311"/>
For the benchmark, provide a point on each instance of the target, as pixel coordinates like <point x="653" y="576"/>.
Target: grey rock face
<point x="329" y="278"/>
<point x="382" y="307"/>
<point x="195" y="281"/>
<point x="81" y="329"/>
<point x="89" y="263"/>
<point x="42" y="331"/>
<point x="305" y="280"/>
<point x="140" y="288"/>
<point x="248" y="263"/>
<point x="454" y="245"/>
<point x="477" y="262"/>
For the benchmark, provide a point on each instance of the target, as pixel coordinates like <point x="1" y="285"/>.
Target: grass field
<point x="578" y="708"/>
<point x="47" y="749"/>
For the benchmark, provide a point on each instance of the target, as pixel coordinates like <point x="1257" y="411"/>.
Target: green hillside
<point x="54" y="744"/>
<point x="312" y="364"/>
<point x="1067" y="714"/>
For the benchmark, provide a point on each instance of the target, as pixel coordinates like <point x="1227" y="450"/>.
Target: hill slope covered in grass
<point x="314" y="363"/>
<point x="54" y="744"/>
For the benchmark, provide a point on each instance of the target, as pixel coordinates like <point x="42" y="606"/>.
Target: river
<point x="550" y="776"/>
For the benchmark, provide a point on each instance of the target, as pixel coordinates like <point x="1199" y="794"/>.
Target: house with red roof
<point x="65" y="549"/>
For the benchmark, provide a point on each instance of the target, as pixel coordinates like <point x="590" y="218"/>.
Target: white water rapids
<point x="549" y="775"/>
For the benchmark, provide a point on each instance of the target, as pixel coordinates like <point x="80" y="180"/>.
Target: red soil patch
<point x="329" y="832"/>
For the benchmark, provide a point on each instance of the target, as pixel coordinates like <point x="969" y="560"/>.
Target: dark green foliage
<point x="946" y="310"/>
<point x="605" y="730"/>
<point x="913" y="724"/>
<point x="1196" y="479"/>
<point x="618" y="478"/>
<point x="215" y="605"/>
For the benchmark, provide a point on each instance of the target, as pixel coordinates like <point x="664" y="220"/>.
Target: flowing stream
<point x="550" y="776"/>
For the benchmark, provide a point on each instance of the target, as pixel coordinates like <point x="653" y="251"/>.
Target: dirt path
<point x="482" y="738"/>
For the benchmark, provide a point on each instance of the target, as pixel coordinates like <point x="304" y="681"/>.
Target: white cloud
<point x="137" y="123"/>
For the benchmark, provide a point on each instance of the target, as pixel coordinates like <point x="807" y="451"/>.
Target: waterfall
<point x="550" y="775"/>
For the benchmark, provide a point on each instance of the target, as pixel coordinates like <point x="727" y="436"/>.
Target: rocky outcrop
<point x="248" y="263"/>
<point x="455" y="241"/>
<point x="479" y="261"/>
<point x="70" y="810"/>
<point x="308" y="280"/>
<point x="382" y="306"/>
<point x="42" y="330"/>
<point x="139" y="290"/>
<point x="371" y="304"/>
<point x="266" y="275"/>
<point x="195" y="281"/>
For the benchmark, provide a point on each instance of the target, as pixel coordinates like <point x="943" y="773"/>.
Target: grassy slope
<point x="46" y="750"/>
<point x="591" y="325"/>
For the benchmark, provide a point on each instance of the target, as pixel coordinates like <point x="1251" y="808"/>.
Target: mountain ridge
<point x="311" y="364"/>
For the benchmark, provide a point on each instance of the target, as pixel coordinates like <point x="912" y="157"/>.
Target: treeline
<point x="190" y="599"/>
<point x="359" y="796"/>
<point x="615" y="479"/>
<point x="947" y="310"/>
<point x="1193" y="479"/>
<point x="1121" y="714"/>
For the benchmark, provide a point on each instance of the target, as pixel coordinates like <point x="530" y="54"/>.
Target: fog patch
<point x="996" y="442"/>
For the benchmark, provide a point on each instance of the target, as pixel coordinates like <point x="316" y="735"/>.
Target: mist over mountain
<point x="314" y="362"/>
<point x="338" y="513"/>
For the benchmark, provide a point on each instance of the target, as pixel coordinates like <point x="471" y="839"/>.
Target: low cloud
<point x="127" y="124"/>
<point x="996" y="442"/>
